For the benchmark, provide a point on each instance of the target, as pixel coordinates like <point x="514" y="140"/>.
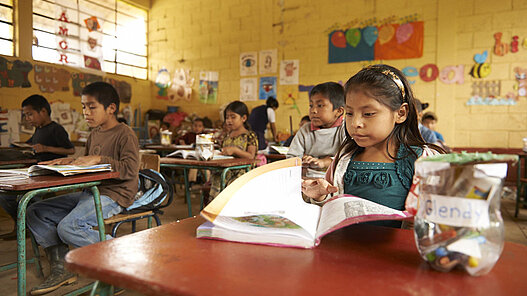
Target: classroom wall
<point x="209" y="35"/>
<point x="11" y="98"/>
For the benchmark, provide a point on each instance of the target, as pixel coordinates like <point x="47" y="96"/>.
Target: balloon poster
<point x="385" y="42"/>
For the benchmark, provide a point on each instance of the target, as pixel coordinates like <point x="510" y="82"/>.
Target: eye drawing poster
<point x="248" y="63"/>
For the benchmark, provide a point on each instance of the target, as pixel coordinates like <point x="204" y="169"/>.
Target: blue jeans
<point x="68" y="219"/>
<point x="9" y="202"/>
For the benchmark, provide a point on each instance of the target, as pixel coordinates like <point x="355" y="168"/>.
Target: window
<point x="6" y="27"/>
<point x="107" y="35"/>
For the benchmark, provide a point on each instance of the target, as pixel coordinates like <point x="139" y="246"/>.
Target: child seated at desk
<point x="317" y="143"/>
<point x="376" y="162"/>
<point x="240" y="142"/>
<point x="190" y="137"/>
<point x="50" y="141"/>
<point x="69" y="219"/>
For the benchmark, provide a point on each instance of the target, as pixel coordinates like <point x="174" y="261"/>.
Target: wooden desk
<point x="34" y="186"/>
<point x="357" y="260"/>
<point x="274" y="157"/>
<point x="163" y="150"/>
<point x="6" y="164"/>
<point x="223" y="165"/>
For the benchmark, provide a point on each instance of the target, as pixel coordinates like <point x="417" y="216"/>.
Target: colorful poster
<point x="248" y="89"/>
<point x="268" y="61"/>
<point x="248" y="64"/>
<point x="124" y="89"/>
<point x="289" y="72"/>
<point x="92" y="50"/>
<point x="14" y="74"/>
<point x="51" y="79"/>
<point x="208" y="87"/>
<point x="384" y="42"/>
<point x="267" y="87"/>
<point x="67" y="45"/>
<point x="80" y="80"/>
<point x="181" y="86"/>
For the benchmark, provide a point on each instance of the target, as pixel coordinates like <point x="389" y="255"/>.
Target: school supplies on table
<point x="65" y="170"/>
<point x="458" y="222"/>
<point x="265" y="206"/>
<point x="191" y="154"/>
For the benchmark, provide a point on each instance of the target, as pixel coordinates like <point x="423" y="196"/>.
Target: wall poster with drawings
<point x="248" y="89"/>
<point x="248" y="63"/>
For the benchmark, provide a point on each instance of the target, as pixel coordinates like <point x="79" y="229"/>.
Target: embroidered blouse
<point x="241" y="141"/>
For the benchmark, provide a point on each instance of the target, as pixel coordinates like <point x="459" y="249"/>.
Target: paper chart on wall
<point x="208" y="87"/>
<point x="248" y="63"/>
<point x="268" y="61"/>
<point x="289" y="72"/>
<point x="248" y="89"/>
<point x="267" y="87"/>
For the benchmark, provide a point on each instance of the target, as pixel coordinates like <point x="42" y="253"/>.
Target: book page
<point x="344" y="210"/>
<point x="67" y="170"/>
<point x="273" y="190"/>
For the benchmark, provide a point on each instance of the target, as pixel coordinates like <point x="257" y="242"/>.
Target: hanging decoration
<point x="521" y="82"/>
<point x="64" y="26"/>
<point x="181" y="86"/>
<point x="248" y="64"/>
<point x="480" y="69"/>
<point x="268" y="61"/>
<point x="162" y="82"/>
<point x="289" y="70"/>
<point x="267" y="87"/>
<point x="92" y="50"/>
<point x="208" y="87"/>
<point x="500" y="48"/>
<point x="51" y="79"/>
<point x="80" y="80"/>
<point x="488" y="93"/>
<point x="373" y="40"/>
<point x="248" y="89"/>
<point x="15" y="73"/>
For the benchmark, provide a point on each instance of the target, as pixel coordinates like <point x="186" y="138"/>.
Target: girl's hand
<point x="87" y="160"/>
<point x="65" y="160"/>
<point x="317" y="189"/>
<point x="228" y="150"/>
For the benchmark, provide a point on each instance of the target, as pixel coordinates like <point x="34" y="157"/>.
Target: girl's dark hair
<point x="104" y="93"/>
<point x="379" y="83"/>
<point x="272" y="102"/>
<point x="239" y="108"/>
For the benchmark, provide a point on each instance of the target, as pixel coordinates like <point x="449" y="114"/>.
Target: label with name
<point x="456" y="211"/>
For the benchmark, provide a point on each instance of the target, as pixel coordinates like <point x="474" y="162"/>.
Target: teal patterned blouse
<point x="384" y="183"/>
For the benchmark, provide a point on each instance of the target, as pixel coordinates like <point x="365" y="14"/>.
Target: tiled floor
<point x="515" y="231"/>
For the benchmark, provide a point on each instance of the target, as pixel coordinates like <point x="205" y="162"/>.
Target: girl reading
<point x="376" y="161"/>
<point x="239" y="141"/>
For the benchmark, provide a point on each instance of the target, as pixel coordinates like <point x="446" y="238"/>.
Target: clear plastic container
<point x="458" y="221"/>
<point x="205" y="146"/>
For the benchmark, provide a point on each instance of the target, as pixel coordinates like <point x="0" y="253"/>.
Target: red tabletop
<point x="356" y="260"/>
<point x="54" y="180"/>
<point x="222" y="163"/>
<point x="19" y="161"/>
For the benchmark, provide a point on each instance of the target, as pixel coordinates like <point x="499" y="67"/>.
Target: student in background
<point x="50" y="141"/>
<point x="260" y="117"/>
<point x="190" y="137"/>
<point x="429" y="120"/>
<point x="239" y="142"/>
<point x="376" y="162"/>
<point x="303" y="121"/>
<point x="317" y="143"/>
<point x="428" y="135"/>
<point x="69" y="219"/>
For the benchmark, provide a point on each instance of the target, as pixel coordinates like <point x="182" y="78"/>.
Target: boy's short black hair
<point x="104" y="93"/>
<point x="199" y="119"/>
<point x="333" y="91"/>
<point x="271" y="102"/>
<point x="305" y="118"/>
<point x="37" y="102"/>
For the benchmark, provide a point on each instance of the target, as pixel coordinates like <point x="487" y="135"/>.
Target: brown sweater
<point x="119" y="147"/>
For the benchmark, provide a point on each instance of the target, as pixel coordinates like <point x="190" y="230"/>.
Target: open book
<point x="191" y="154"/>
<point x="279" y="149"/>
<point x="250" y="210"/>
<point x="65" y="170"/>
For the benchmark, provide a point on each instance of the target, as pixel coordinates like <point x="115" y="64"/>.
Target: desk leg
<point x="518" y="187"/>
<point x="98" y="211"/>
<point x="21" y="241"/>
<point x="101" y="289"/>
<point x="187" y="192"/>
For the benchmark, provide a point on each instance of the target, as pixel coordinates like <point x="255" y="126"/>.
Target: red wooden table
<point x="357" y="260"/>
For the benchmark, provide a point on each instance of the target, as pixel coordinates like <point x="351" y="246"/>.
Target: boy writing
<point x="50" y="141"/>
<point x="316" y="143"/>
<point x="69" y="219"/>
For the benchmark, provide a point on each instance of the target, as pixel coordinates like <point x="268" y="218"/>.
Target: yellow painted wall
<point x="210" y="34"/>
